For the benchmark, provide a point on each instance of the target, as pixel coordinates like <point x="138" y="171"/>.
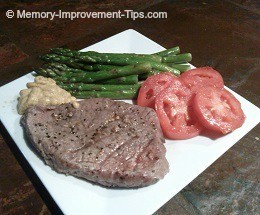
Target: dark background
<point x="221" y="34"/>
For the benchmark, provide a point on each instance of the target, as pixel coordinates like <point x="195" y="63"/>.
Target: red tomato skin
<point x="218" y="110"/>
<point x="197" y="78"/>
<point x="152" y="86"/>
<point x="177" y="127"/>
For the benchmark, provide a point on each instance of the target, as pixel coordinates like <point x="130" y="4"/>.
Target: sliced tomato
<point x="218" y="110"/>
<point x="174" y="109"/>
<point x="152" y="86"/>
<point x="202" y="77"/>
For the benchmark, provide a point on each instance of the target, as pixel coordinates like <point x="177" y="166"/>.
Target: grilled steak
<point x="108" y="142"/>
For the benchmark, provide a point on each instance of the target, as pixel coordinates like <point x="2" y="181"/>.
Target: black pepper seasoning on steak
<point x="108" y="142"/>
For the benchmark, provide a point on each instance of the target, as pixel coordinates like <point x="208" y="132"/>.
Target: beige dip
<point x="43" y="91"/>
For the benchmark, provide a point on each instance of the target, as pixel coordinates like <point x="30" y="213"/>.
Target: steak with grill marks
<point x="104" y="141"/>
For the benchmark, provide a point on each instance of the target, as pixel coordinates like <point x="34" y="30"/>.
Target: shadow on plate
<point x="211" y="134"/>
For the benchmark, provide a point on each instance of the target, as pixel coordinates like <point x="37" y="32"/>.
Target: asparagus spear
<point x="121" y="94"/>
<point x="46" y="72"/>
<point x="104" y="56"/>
<point x="63" y="70"/>
<point x="181" y="58"/>
<point x="179" y="68"/>
<point x="97" y="67"/>
<point x="168" y="55"/>
<point x="74" y="63"/>
<point x="64" y="52"/>
<point x="71" y="62"/>
<point x="130" y="79"/>
<point x="71" y="53"/>
<point x="108" y="74"/>
<point x="98" y="87"/>
<point x="57" y="58"/>
<point x="172" y="51"/>
<point x="164" y="68"/>
<point x="120" y="61"/>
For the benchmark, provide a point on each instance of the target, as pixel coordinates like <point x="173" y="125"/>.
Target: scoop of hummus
<point x="43" y="91"/>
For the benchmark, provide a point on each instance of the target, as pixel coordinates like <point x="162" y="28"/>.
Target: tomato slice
<point x="202" y="77"/>
<point x="174" y="109"/>
<point x="218" y="110"/>
<point x="152" y="86"/>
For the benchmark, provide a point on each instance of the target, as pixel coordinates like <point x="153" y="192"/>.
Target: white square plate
<point x="187" y="158"/>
